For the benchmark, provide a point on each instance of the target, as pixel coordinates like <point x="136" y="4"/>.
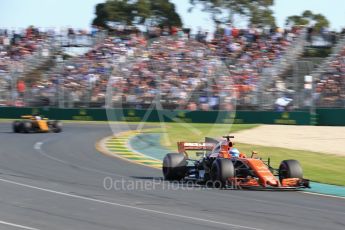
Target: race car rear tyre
<point x="26" y="126"/>
<point x="174" y="166"/>
<point x="57" y="126"/>
<point x="290" y="169"/>
<point x="222" y="169"/>
<point x="16" y="126"/>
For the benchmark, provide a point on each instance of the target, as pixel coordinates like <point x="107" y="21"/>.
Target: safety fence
<point x="325" y="117"/>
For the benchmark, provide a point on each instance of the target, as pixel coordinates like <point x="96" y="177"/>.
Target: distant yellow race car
<point x="36" y="124"/>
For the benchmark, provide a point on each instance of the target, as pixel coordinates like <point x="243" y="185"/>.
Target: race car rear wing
<point x="184" y="146"/>
<point x="27" y="116"/>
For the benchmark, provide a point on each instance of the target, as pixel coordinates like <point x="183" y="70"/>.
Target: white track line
<point x="326" y="195"/>
<point x="38" y="147"/>
<point x="17" y="225"/>
<point x="128" y="206"/>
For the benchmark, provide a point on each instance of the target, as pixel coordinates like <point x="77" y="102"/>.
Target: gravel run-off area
<point x="323" y="139"/>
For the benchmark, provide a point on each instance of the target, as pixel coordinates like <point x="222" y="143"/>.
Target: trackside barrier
<point x="136" y="115"/>
<point x="331" y="116"/>
<point x="327" y="116"/>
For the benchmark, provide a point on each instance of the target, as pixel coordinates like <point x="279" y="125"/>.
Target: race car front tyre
<point x="57" y="126"/>
<point x="16" y="126"/>
<point x="222" y="169"/>
<point x="290" y="169"/>
<point x="174" y="166"/>
<point x="27" y="126"/>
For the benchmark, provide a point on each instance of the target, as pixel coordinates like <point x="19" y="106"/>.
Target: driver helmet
<point x="234" y="152"/>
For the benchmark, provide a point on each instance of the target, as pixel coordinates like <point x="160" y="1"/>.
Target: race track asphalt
<point x="56" y="181"/>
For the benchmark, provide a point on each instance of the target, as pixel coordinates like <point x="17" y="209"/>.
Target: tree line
<point x="163" y="13"/>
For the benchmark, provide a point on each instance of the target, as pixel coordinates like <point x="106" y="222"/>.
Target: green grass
<point x="197" y="131"/>
<point x="317" y="167"/>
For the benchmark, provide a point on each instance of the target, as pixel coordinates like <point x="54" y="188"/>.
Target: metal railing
<point x="263" y="97"/>
<point x="325" y="66"/>
<point x="45" y="50"/>
<point x="267" y="92"/>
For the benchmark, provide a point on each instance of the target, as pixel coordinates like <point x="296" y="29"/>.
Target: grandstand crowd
<point x="330" y="88"/>
<point x="168" y="66"/>
<point x="16" y="48"/>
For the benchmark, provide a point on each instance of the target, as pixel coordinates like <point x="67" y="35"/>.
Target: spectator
<point x="331" y="85"/>
<point x="179" y="71"/>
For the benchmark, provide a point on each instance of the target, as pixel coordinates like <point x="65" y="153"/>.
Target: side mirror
<point x="198" y="154"/>
<point x="253" y="154"/>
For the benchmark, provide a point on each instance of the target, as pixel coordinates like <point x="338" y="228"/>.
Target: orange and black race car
<point x="36" y="124"/>
<point x="222" y="165"/>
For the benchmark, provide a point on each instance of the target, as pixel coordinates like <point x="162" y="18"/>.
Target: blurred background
<point x="275" y="55"/>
